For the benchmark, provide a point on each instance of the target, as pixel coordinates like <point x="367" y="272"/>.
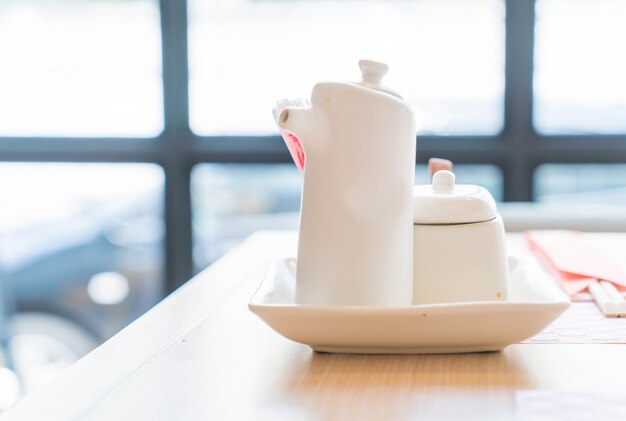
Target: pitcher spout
<point x="304" y="130"/>
<point x="295" y="120"/>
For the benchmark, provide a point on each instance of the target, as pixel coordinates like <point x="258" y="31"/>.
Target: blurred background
<point x="137" y="144"/>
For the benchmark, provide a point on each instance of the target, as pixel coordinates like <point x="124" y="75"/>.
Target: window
<point x="181" y="92"/>
<point x="446" y="58"/>
<point x="602" y="184"/>
<point x="231" y="201"/>
<point x="80" y="68"/>
<point x="580" y="67"/>
<point x="81" y="254"/>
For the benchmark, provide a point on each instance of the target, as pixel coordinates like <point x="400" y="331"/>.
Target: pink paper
<point x="572" y="260"/>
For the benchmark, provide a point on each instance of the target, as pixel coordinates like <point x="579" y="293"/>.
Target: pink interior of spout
<point x="295" y="148"/>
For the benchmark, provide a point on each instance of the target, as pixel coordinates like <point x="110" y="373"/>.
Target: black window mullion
<point x="518" y="99"/>
<point x="175" y="68"/>
<point x="175" y="143"/>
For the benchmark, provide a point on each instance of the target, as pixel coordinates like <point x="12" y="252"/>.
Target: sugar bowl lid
<point x="444" y="202"/>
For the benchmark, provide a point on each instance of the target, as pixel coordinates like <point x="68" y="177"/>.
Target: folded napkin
<point x="573" y="261"/>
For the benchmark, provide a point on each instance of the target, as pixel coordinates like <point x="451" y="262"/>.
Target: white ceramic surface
<point x="445" y="202"/>
<point x="461" y="262"/>
<point x="459" y="246"/>
<point x="534" y="302"/>
<point x="356" y="239"/>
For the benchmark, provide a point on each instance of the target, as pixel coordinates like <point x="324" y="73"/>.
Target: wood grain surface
<point x="202" y="355"/>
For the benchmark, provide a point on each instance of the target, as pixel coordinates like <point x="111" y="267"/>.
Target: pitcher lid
<point x="444" y="202"/>
<point x="372" y="73"/>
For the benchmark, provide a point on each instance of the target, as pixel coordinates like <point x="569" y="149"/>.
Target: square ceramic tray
<point x="534" y="302"/>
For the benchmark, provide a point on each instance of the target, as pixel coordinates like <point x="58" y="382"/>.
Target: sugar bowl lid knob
<point x="443" y="182"/>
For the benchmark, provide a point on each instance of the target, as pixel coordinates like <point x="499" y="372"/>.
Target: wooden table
<point x="200" y="354"/>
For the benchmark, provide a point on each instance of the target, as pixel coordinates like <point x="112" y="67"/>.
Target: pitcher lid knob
<point x="373" y="71"/>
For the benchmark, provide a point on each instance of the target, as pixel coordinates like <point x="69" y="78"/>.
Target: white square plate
<point x="534" y="302"/>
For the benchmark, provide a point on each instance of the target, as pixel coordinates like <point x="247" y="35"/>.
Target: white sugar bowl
<point x="459" y="245"/>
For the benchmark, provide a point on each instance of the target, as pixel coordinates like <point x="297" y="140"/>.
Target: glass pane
<point x="581" y="183"/>
<point x="80" y="257"/>
<point x="231" y="201"/>
<point x="446" y="57"/>
<point x="580" y="66"/>
<point x="80" y="68"/>
<point x="487" y="176"/>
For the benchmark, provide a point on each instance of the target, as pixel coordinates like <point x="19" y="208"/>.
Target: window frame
<point x="517" y="150"/>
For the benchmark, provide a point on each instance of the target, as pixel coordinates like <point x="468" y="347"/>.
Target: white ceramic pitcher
<point x="356" y="237"/>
